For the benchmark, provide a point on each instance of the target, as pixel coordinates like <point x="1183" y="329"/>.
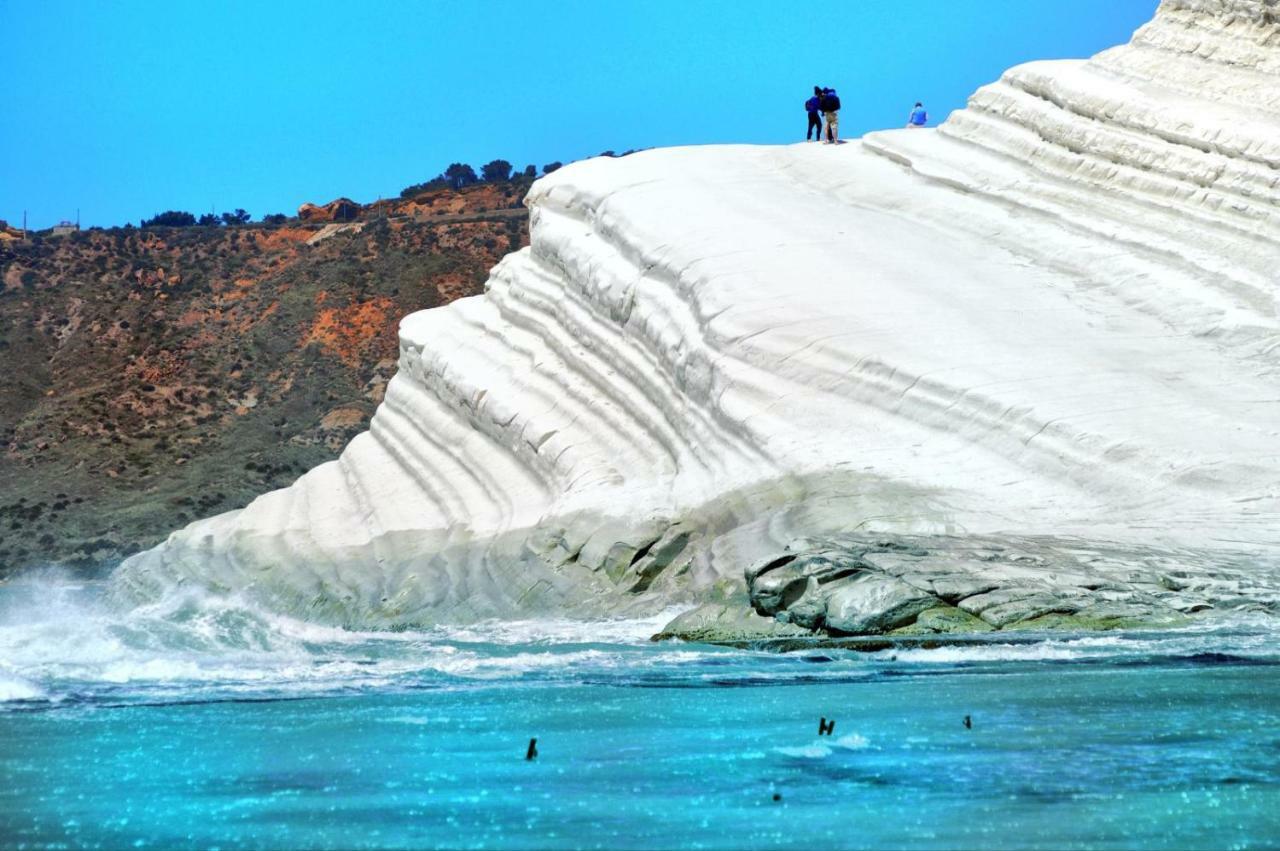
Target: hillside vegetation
<point x="151" y="376"/>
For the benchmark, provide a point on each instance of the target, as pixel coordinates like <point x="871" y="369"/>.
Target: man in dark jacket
<point x="815" y="120"/>
<point x="830" y="103"/>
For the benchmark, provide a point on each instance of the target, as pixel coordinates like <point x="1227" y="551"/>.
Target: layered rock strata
<point x="1054" y="318"/>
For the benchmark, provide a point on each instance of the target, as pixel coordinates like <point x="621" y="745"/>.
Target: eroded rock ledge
<point x="1055" y="315"/>
<point x="946" y="586"/>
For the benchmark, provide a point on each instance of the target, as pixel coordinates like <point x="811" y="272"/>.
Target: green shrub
<point x="169" y="218"/>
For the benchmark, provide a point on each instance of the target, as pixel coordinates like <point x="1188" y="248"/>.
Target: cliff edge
<point x="1018" y="370"/>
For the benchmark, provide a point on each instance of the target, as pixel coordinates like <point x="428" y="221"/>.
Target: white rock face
<point x="1054" y="315"/>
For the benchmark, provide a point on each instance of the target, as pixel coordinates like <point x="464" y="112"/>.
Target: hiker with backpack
<point x="830" y="105"/>
<point x="918" y="116"/>
<point x="815" y="121"/>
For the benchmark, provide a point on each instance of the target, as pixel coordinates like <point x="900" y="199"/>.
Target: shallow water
<point x="202" y="722"/>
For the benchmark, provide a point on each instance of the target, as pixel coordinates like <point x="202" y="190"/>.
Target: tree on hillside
<point x="169" y="219"/>
<point x="460" y="175"/>
<point x="496" y="171"/>
<point x="239" y="217"/>
<point x="531" y="171"/>
<point x="437" y="182"/>
<point x="209" y="220"/>
<point x="274" y="219"/>
<point x="550" y="167"/>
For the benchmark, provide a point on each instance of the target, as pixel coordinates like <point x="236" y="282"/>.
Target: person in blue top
<point x="815" y="120"/>
<point x="918" y="116"/>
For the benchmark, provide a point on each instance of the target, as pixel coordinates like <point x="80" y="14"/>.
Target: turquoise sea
<point x="201" y="722"/>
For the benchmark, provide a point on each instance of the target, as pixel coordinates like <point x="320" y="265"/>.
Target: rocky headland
<point x="1016" y="373"/>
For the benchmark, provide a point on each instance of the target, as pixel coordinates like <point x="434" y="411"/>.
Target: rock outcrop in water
<point x="1050" y="322"/>
<point x="922" y="585"/>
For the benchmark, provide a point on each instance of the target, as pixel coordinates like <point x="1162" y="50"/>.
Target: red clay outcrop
<point x="337" y="210"/>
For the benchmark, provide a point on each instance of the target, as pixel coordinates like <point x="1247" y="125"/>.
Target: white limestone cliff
<point x="1053" y="317"/>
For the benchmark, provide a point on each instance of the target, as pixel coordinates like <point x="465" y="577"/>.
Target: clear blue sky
<point x="124" y="109"/>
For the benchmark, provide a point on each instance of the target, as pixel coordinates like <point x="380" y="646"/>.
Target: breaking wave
<point x="61" y="644"/>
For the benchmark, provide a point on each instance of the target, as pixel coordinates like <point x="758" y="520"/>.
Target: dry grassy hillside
<point x="152" y="376"/>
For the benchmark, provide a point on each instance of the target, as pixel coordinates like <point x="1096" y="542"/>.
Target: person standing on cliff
<point x="815" y="120"/>
<point x="918" y="116"/>
<point x="830" y="103"/>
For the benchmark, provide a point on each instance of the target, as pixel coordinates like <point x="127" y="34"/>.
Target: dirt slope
<point x="148" y="377"/>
